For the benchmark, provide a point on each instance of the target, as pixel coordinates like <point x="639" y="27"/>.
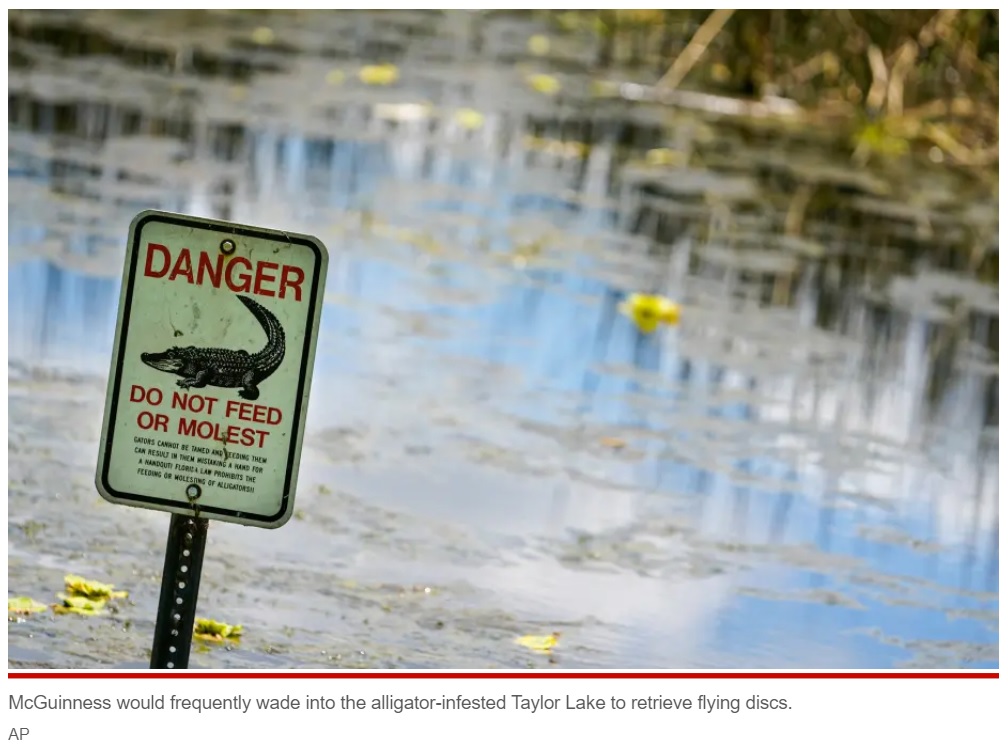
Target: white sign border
<point x="315" y="300"/>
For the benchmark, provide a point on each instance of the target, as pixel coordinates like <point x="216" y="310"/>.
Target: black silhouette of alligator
<point x="226" y="368"/>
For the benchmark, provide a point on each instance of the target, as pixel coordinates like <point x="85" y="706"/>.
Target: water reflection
<point x="777" y="483"/>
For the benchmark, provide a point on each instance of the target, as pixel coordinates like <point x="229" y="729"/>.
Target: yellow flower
<point x="650" y="311"/>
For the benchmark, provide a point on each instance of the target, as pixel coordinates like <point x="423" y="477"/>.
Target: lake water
<point x="803" y="473"/>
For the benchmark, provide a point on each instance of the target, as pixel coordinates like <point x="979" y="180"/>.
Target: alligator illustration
<point x="226" y="368"/>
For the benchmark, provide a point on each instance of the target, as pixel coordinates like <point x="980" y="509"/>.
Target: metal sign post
<point x="183" y="564"/>
<point x="208" y="389"/>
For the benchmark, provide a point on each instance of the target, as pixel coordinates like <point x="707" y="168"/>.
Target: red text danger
<point x="237" y="273"/>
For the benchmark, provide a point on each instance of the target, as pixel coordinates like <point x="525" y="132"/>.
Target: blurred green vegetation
<point x="889" y="83"/>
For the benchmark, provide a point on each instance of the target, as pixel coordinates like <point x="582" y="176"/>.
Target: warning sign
<point x="211" y="369"/>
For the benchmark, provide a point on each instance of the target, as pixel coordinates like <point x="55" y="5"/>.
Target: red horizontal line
<point x="500" y="675"/>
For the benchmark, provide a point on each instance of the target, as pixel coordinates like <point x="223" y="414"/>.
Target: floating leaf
<point x="884" y="137"/>
<point x="539" y="45"/>
<point x="263" y="35"/>
<point x="539" y="644"/>
<point x="649" y="311"/>
<point x="469" y="118"/>
<point x="561" y="148"/>
<point x="209" y="630"/>
<point x="335" y="77"/>
<point x="402" y="112"/>
<point x="530" y="249"/>
<point x="379" y="74"/>
<point x="78" y="604"/>
<point x="663" y="156"/>
<point x="24" y="606"/>
<point x="32" y="528"/>
<point x="604" y="88"/>
<point x="84" y="588"/>
<point x="616" y="443"/>
<point x="569" y="20"/>
<point x="545" y="84"/>
<point x="720" y="73"/>
<point x="639" y="17"/>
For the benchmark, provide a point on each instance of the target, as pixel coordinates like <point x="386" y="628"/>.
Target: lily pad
<point x="24" y="606"/>
<point x="79" y="587"/>
<point x="209" y="630"/>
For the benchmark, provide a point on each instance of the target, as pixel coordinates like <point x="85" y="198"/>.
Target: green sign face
<point x="211" y="369"/>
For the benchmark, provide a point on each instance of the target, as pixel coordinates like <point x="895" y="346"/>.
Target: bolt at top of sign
<point x="211" y="369"/>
